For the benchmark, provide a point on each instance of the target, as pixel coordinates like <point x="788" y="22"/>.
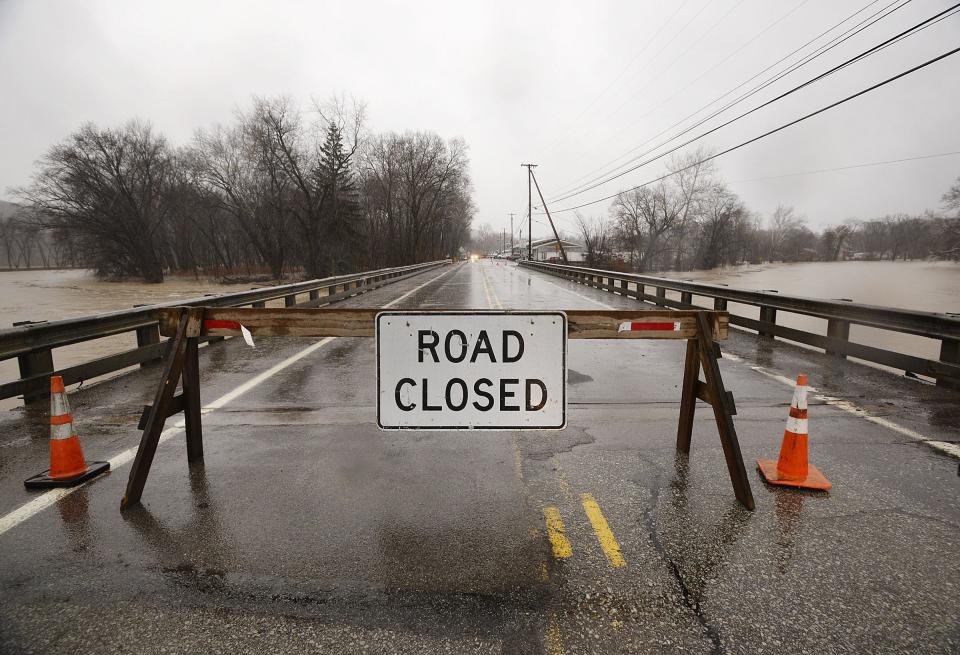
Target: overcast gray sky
<point x="570" y="86"/>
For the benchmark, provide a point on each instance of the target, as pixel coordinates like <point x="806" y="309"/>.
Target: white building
<point x="548" y="250"/>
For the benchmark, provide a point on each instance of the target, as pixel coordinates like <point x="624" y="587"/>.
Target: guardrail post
<point x="767" y="315"/>
<point x="950" y="354"/>
<point x="720" y="304"/>
<point x="838" y="329"/>
<point x="686" y="297"/>
<point x="147" y="336"/>
<point x="38" y="362"/>
<point x="641" y="292"/>
<point x="314" y="294"/>
<point x="290" y="301"/>
<point x="661" y="293"/>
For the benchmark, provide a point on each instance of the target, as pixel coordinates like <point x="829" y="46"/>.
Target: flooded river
<point x="51" y="295"/>
<point x="923" y="286"/>
<point x="927" y="286"/>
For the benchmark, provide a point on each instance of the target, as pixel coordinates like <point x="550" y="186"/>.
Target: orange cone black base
<point x="44" y="481"/>
<point x="67" y="464"/>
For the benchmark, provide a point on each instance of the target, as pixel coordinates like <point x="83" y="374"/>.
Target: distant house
<point x="548" y="250"/>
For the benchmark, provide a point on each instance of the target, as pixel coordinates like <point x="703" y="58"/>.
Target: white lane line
<point x="851" y="408"/>
<point x="415" y="289"/>
<point x="27" y="510"/>
<point x="48" y="498"/>
<point x="844" y="405"/>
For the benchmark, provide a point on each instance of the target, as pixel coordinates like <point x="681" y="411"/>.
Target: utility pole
<point x="563" y="253"/>
<point x="511" y="235"/>
<point x="530" y="168"/>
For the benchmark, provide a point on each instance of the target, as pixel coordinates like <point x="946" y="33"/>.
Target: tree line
<point x="280" y="190"/>
<point x="692" y="220"/>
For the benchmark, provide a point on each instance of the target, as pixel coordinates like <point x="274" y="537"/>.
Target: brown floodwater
<point x="58" y="294"/>
<point x="927" y="286"/>
<point x="918" y="285"/>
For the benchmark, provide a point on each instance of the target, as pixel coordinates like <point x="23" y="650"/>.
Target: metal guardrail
<point x="33" y="343"/>
<point x="839" y="314"/>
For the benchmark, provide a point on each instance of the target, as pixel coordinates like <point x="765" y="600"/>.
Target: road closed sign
<point x="471" y="370"/>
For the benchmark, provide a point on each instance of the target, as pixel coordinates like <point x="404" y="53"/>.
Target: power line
<point x="576" y="185"/>
<point x="599" y="180"/>
<point x="846" y="168"/>
<point x="735" y="52"/>
<point x="695" y="42"/>
<point x="909" y="71"/>
<point x="880" y="46"/>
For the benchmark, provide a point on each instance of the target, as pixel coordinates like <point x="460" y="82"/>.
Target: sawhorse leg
<point x="703" y="352"/>
<point x="181" y="360"/>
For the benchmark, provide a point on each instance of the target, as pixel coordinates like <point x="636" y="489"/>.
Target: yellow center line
<point x="494" y="303"/>
<point x="554" y="642"/>
<point x="609" y="544"/>
<point x="544" y="573"/>
<point x="557" y="533"/>
<point x="517" y="459"/>
<point x="492" y="299"/>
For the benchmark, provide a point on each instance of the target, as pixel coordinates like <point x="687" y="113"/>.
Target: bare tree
<point x="720" y="211"/>
<point x="692" y="179"/>
<point x="484" y="239"/>
<point x="596" y="234"/>
<point x="417" y="197"/>
<point x="242" y="173"/>
<point x="108" y="187"/>
<point x="951" y="199"/>
<point x="783" y="221"/>
<point x="650" y="216"/>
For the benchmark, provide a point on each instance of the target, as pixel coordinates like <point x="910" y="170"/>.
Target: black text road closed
<point x="471" y="370"/>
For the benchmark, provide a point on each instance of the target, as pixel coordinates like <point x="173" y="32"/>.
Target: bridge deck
<point x="306" y="526"/>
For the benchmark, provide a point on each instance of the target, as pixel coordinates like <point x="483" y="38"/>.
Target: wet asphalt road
<point x="306" y="529"/>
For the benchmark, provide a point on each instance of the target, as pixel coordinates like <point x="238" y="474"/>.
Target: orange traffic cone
<point x="67" y="465"/>
<point x="793" y="469"/>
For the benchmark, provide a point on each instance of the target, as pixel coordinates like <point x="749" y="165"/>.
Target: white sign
<point x="471" y="370"/>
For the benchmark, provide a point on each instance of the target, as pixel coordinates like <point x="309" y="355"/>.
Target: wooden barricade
<point x="185" y="325"/>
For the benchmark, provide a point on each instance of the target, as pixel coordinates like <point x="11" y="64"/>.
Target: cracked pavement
<point x="307" y="529"/>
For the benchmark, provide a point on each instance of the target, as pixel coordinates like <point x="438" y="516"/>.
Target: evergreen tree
<point x="340" y="215"/>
